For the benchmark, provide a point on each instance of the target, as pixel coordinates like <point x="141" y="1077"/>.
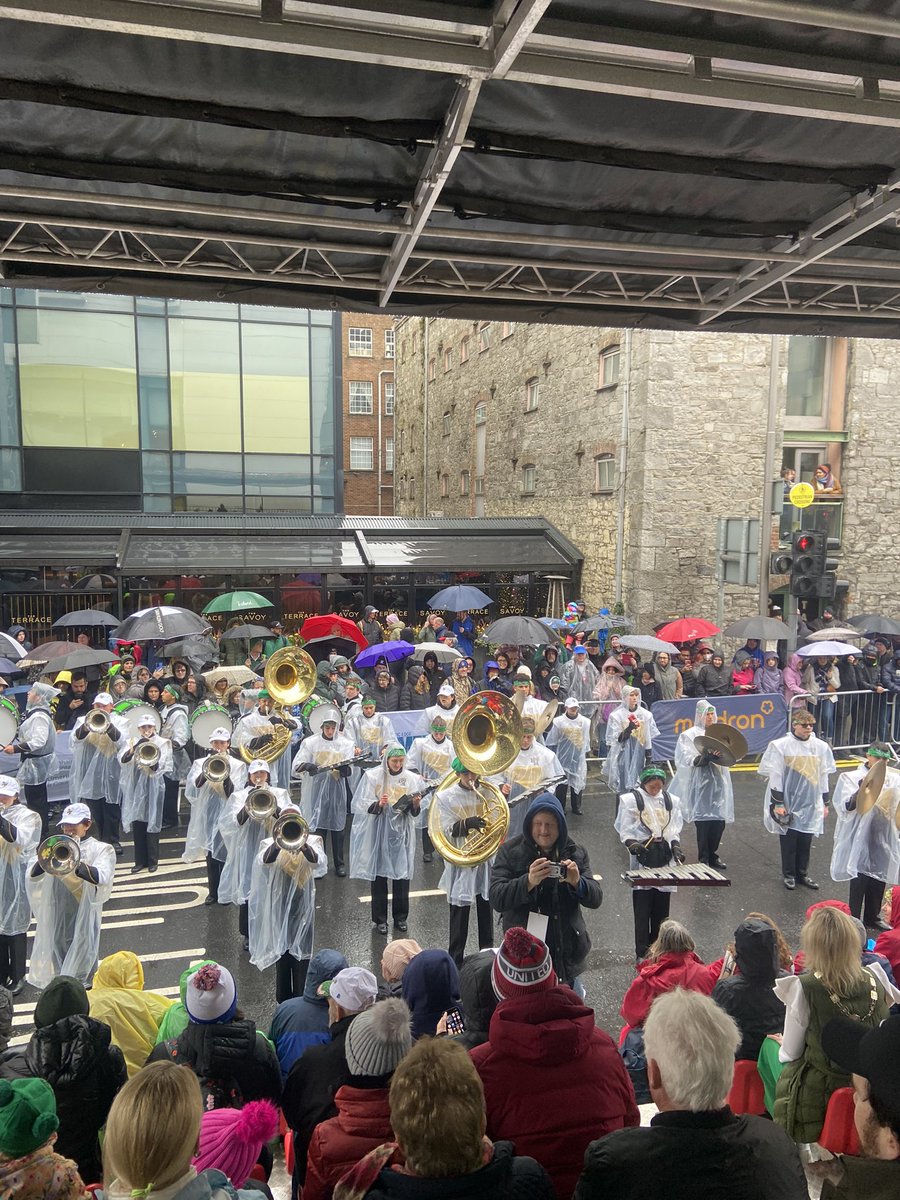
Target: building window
<point x="359" y="343"/>
<point x="431" y="370"/>
<point x="445" y="486"/>
<point x="389" y="454"/>
<point x="446" y="425"/>
<point x="806" y="368"/>
<point x="480" y="414"/>
<point x="604" y="473"/>
<point x="479" y="485"/>
<point x="528" y="478"/>
<point x="532" y="391"/>
<point x="484" y="337"/>
<point x="388" y="389"/>
<point x="464" y="350"/>
<point x="389" y="343"/>
<point x="464" y="483"/>
<point x="361" y="454"/>
<point x="412" y="488"/>
<point x="361" y="395"/>
<point x="506" y="328"/>
<point x="448" y="359"/>
<point x="609" y="367"/>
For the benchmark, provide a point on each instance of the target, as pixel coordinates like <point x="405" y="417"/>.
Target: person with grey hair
<point x="35" y="742"/>
<point x="695" y="1147"/>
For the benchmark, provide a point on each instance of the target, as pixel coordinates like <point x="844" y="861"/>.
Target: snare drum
<point x="9" y="720"/>
<point x="204" y="719"/>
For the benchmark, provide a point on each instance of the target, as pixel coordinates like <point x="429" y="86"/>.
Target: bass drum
<point x="9" y="720"/>
<point x="204" y="719"/>
<point x="133" y="710"/>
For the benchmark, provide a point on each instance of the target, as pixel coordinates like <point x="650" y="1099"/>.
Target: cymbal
<point x="548" y="712"/>
<point x="724" y="740"/>
<point x="871" y="787"/>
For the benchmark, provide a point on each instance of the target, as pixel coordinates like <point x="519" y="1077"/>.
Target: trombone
<point x="261" y="804"/>
<point x="290" y="832"/>
<point x="97" y="721"/>
<point x="147" y="754"/>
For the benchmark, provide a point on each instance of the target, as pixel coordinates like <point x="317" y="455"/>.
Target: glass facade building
<point x="120" y="404"/>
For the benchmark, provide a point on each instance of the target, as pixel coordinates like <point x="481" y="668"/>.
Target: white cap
<point x="446" y="689"/>
<point x="354" y="989"/>
<point x="523" y="670"/>
<point x="8" y="786"/>
<point x="571" y="702"/>
<point x="103" y="698"/>
<point x="144" y="720"/>
<point x="259" y="764"/>
<point x="220" y="734"/>
<point x="74" y="814"/>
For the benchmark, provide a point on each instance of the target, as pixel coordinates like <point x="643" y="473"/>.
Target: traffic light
<point x="807" y="564"/>
<point x="780" y="562"/>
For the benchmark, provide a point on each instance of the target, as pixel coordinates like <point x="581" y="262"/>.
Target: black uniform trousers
<point x="866" y="894"/>
<point x="651" y="907"/>
<point x="214" y="870"/>
<point x="170" y="803"/>
<point x="36" y="799"/>
<point x="399" y="899"/>
<point x="459" y="928"/>
<point x="107" y="820"/>
<point x="562" y="790"/>
<point x="146" y="845"/>
<point x="709" y="835"/>
<point x="795" y="848"/>
<point x="290" y="977"/>
<point x="12" y="957"/>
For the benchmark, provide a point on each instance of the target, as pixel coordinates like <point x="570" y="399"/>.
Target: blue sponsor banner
<point x="760" y="719"/>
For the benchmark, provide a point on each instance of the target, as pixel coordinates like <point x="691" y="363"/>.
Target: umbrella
<point x="333" y="625"/>
<point x="94" y="583"/>
<point x="10" y="647"/>
<point x="321" y="647"/>
<point x="195" y="651"/>
<point x="8" y="667"/>
<point x="83" y="657"/>
<point x="839" y="634"/>
<point x="874" y="623"/>
<point x="390" y="651"/>
<point x="245" y="633"/>
<point x="763" y="629"/>
<point x="233" y="676"/>
<point x="84" y="618"/>
<point x="603" y="621"/>
<point x="520" y="631"/>
<point x="461" y="597"/>
<point x="160" y="623"/>
<point x="687" y="629"/>
<point x="442" y="652"/>
<point x="654" y="644"/>
<point x="44" y="653"/>
<point x="230" y="602"/>
<point x="827" y="650"/>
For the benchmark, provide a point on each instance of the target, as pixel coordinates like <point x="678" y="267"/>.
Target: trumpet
<point x="216" y="768"/>
<point x="261" y="804"/>
<point x="97" y="721"/>
<point x="290" y="832"/>
<point x="59" y="855"/>
<point x="147" y="754"/>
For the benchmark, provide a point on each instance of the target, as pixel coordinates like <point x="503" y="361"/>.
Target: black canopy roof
<point x="723" y="165"/>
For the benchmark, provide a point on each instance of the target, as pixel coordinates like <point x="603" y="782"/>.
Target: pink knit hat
<point x="231" y="1138"/>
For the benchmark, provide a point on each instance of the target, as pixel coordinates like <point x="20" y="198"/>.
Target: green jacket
<point x="270" y="645"/>
<point x="865" y="1179"/>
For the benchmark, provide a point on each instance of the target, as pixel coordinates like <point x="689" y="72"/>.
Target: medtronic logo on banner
<point x="760" y="719"/>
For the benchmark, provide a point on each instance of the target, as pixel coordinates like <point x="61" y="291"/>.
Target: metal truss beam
<point x="845" y="18"/>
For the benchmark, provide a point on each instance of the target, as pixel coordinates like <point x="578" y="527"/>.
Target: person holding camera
<point x="541" y="880"/>
<point x="649" y="823"/>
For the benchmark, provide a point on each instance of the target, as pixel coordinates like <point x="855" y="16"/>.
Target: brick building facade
<point x="368" y="414"/>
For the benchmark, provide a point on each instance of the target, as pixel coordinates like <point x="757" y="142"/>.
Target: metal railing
<point x="851" y="720"/>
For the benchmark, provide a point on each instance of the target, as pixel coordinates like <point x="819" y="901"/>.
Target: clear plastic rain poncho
<point x="15" y="862"/>
<point x="67" y="913"/>
<point x="176" y="727"/>
<point x="527" y="771"/>
<point x="323" y="795"/>
<point x="208" y="801"/>
<point x="800" y="770"/>
<point x="867" y="844"/>
<point x="282" y="906"/>
<point x="462" y="884"/>
<point x="255" y="724"/>
<point x="95" y="762"/>
<point x="655" y="821"/>
<point x="431" y="760"/>
<point x="371" y="734"/>
<point x="625" y="761"/>
<point x="438" y="710"/>
<point x="384" y="845"/>
<point x="143" y="789"/>
<point x="706" y="792"/>
<point x="242" y="843"/>
<point x="570" y="737"/>
<point x="37" y="738"/>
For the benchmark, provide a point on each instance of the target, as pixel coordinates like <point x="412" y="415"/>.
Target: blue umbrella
<point x="555" y="622"/>
<point x="460" y="598"/>
<point x="390" y="651"/>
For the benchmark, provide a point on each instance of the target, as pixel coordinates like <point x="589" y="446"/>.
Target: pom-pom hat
<point x="523" y="966"/>
<point x="210" y="995"/>
<point x="27" y="1115"/>
<point x="378" y="1039"/>
<point x="231" y="1139"/>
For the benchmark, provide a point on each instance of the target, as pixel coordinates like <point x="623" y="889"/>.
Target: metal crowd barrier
<point x="852" y="720"/>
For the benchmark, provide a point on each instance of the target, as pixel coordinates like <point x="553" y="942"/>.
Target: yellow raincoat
<point x="118" y="998"/>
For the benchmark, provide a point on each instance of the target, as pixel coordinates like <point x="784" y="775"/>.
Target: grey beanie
<point x="378" y="1039"/>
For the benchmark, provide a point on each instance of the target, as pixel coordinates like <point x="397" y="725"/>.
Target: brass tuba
<point x="487" y="732"/>
<point x="289" y="678"/>
<point x="290" y="832"/>
<point x="59" y="854"/>
<point x="216" y="768"/>
<point x="261" y="803"/>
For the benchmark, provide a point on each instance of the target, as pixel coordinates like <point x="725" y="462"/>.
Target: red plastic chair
<point x="258" y="1173"/>
<point x="289" y="1151"/>
<point x="839" y="1131"/>
<point x="747" y="1095"/>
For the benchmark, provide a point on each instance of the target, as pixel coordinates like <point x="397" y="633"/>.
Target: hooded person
<point x="672" y="962"/>
<point x="35" y="743"/>
<point x="430" y="757"/>
<point x="535" y="765"/>
<point x="608" y="691"/>
<point x="866" y="847"/>
<point x="704" y="786"/>
<point x="748" y="996"/>
<point x="430" y="987"/>
<point x="888" y="943"/>
<point x="714" y="677"/>
<point x="30" y="1168"/>
<point x="478" y="999"/>
<point x="544" y="877"/>
<point x="95" y="770"/>
<point x="645" y="678"/>
<point x="143" y="792"/>
<point x="579" y="676"/>
<point x="324" y="792"/>
<point x="569" y="736"/>
<point x="629" y="735"/>
<point x="74" y="1054"/>
<point x="20" y="832"/>
<point x="117" y="998"/>
<point x="209" y="797"/>
<point x="792" y="678"/>
<point x="302" y="1021"/>
<point x="415" y="695"/>
<point x="385" y="691"/>
<point x="232" y="1139"/>
<point x="769" y="678"/>
<point x="257" y="730"/>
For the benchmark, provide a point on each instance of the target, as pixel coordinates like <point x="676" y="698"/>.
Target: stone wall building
<point x="367" y="352"/>
<point x="634" y="444"/>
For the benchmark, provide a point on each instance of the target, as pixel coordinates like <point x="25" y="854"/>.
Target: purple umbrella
<point x="390" y="651"/>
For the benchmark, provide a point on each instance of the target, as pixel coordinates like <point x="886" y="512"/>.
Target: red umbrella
<point x="687" y="629"/>
<point x="332" y="625"/>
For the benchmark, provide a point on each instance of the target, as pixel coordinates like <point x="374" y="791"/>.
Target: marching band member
<point x="570" y="736"/>
<point x="281" y="766"/>
<point x="386" y="804"/>
<point x="94" y="776"/>
<point x="532" y="766"/>
<point x="35" y="741"/>
<point x="68" y="908"/>
<point x="866" y="843"/>
<point x="649" y="823"/>
<point x="531" y="705"/>
<point x="143" y="792"/>
<point x="430" y="757"/>
<point x="629" y="734"/>
<point x="445" y="707"/>
<point x="20" y="832"/>
<point x="704" y="786"/>
<point x="371" y="732"/>
<point x="176" y="728"/>
<point x="282" y="909"/>
<point x="324" y="792"/>
<point x="458" y="808"/>
<point x="207" y="798"/>
<point x="242" y="835"/>
<point x="797" y="767"/>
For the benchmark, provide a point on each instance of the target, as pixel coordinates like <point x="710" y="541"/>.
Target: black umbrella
<point x="245" y="633"/>
<point x="872" y="623"/>
<point x="82" y="658"/>
<point x="763" y="629"/>
<point x="86" y="618"/>
<point x="320" y="648"/>
<point x="161" y="623"/>
<point x="196" y="651"/>
<point x="601" y="622"/>
<point x="520" y="631"/>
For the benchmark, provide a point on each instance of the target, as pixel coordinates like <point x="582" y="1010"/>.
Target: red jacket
<point x="888" y="944"/>
<point x="662" y="975"/>
<point x="363" y="1122"/>
<point x="553" y="1082"/>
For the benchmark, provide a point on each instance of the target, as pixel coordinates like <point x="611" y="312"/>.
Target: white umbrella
<point x="640" y="641"/>
<point x="833" y="635"/>
<point x="10" y="648"/>
<point x="827" y="650"/>
<point x="441" y="652"/>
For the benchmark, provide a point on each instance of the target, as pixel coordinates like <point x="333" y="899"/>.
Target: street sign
<point x="801" y="495"/>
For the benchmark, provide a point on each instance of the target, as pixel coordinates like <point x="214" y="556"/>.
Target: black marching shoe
<point x="211" y="900"/>
<point x="119" y="849"/>
<point x="401" y="926"/>
<point x="153" y="868"/>
<point x="716" y="863"/>
<point x="381" y="927"/>
<point x="789" y="882"/>
<point x="245" y="943"/>
<point x="18" y="987"/>
<point x="136" y="868"/>
<point x="880" y="924"/>
<point x="805" y="881"/>
<point x="426" y="857"/>
<point x="341" y="871"/>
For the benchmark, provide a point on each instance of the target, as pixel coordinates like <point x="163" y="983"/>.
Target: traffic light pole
<point x="792" y="618"/>
<point x="765" y="524"/>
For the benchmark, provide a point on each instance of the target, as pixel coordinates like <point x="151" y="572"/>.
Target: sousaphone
<point x="724" y="740"/>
